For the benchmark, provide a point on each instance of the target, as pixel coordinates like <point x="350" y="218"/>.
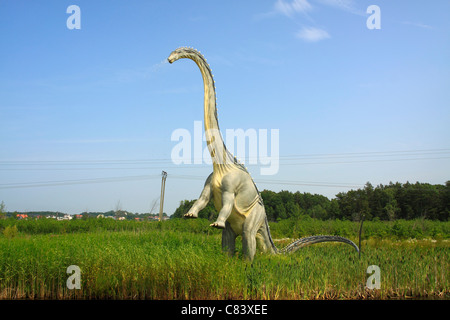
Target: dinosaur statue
<point x="235" y="195"/>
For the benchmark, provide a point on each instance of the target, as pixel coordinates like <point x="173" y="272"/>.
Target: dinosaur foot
<point x="218" y="225"/>
<point x="190" y="216"/>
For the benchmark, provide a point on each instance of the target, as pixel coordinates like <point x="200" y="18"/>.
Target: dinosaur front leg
<point x="227" y="206"/>
<point x="202" y="201"/>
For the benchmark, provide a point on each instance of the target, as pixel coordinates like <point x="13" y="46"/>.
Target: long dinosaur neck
<point x="214" y="139"/>
<point x="216" y="146"/>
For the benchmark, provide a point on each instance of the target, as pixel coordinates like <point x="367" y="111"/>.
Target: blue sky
<point x="87" y="115"/>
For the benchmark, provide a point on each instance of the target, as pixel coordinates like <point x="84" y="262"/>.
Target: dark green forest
<point x="384" y="202"/>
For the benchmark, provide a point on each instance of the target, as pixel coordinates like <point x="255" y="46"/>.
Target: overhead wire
<point x="73" y="182"/>
<point x="425" y="152"/>
<point x="128" y="164"/>
<point x="290" y="160"/>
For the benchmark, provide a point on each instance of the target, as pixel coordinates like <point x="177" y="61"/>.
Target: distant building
<point x="65" y="217"/>
<point x="22" y="216"/>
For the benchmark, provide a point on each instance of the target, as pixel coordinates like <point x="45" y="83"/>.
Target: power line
<point x="203" y="165"/>
<point x="310" y="183"/>
<point x="74" y="182"/>
<point x="424" y="152"/>
<point x="171" y="176"/>
<point x="282" y="182"/>
<point x="375" y="153"/>
<point x="363" y="161"/>
<point x="68" y="165"/>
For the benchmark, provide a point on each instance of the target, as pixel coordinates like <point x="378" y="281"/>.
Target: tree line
<point x="383" y="202"/>
<point x="84" y="215"/>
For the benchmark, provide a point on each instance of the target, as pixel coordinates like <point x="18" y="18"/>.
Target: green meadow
<point x="182" y="259"/>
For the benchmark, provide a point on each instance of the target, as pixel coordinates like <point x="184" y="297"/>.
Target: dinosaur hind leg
<point x="249" y="244"/>
<point x="260" y="243"/>
<point x="228" y="239"/>
<point x="252" y="225"/>
<point x="263" y="240"/>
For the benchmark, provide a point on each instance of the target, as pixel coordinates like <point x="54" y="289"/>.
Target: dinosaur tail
<point x="274" y="248"/>
<point x="303" y="242"/>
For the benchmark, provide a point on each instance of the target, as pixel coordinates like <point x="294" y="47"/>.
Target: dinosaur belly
<point x="236" y="221"/>
<point x="236" y="218"/>
<point x="241" y="210"/>
<point x="245" y="197"/>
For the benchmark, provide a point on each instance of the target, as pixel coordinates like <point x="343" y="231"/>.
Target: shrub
<point x="10" y="232"/>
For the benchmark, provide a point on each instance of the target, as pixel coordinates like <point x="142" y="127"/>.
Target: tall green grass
<point x="182" y="259"/>
<point x="52" y="226"/>
<point x="289" y="228"/>
<point x="399" y="229"/>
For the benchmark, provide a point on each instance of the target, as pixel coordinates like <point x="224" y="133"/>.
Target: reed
<point x="183" y="260"/>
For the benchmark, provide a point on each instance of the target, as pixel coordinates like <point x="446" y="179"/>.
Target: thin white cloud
<point x="94" y="140"/>
<point x="346" y="5"/>
<point x="343" y="4"/>
<point x="418" y="24"/>
<point x="130" y="75"/>
<point x="290" y="8"/>
<point x="311" y="34"/>
<point x="286" y="8"/>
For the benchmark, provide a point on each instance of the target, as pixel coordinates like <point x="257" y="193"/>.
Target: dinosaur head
<point x="183" y="52"/>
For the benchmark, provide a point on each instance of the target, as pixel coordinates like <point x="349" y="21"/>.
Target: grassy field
<point x="182" y="259"/>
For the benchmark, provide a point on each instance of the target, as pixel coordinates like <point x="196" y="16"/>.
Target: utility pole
<point x="161" y="201"/>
